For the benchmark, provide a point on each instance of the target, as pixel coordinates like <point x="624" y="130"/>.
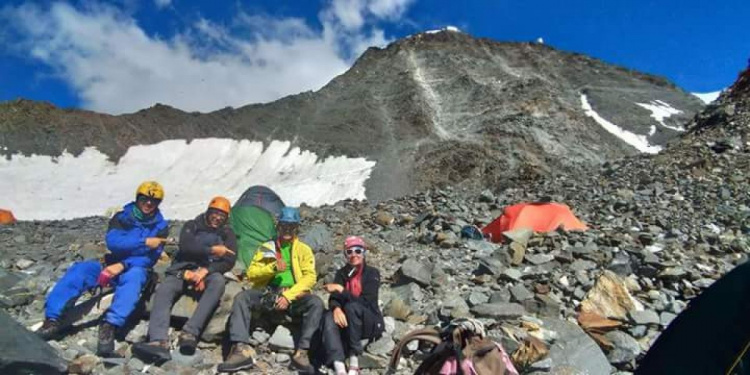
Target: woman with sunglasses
<point x="354" y="314"/>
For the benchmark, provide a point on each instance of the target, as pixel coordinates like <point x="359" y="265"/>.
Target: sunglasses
<point x="355" y="250"/>
<point x="287" y="226"/>
<point x="149" y="200"/>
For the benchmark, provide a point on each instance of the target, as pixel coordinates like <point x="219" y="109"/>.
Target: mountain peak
<point x="434" y="109"/>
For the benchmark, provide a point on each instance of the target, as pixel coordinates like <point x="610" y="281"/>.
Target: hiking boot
<point x="49" y="329"/>
<point x="106" y="344"/>
<point x="301" y="362"/>
<point x="241" y="357"/>
<point x="187" y="343"/>
<point x="156" y="352"/>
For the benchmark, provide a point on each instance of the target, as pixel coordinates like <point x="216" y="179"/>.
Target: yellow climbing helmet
<point x="151" y="189"/>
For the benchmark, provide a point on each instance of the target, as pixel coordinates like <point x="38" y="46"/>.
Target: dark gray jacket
<point x="196" y="240"/>
<point x="372" y="321"/>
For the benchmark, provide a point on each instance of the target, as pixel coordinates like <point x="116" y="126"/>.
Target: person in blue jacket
<point x="135" y="239"/>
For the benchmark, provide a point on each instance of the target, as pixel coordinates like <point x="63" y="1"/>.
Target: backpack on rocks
<point x="461" y="348"/>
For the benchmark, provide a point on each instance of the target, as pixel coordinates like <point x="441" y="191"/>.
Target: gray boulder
<point x="319" y="238"/>
<point x="574" y="352"/>
<point x="626" y="348"/>
<point x="498" y="310"/>
<point x="22" y="352"/>
<point x="417" y="271"/>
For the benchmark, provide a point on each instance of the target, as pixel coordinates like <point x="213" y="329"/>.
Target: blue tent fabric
<point x="263" y="197"/>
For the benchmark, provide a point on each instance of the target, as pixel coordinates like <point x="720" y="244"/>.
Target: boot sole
<point x="149" y="356"/>
<point x="303" y="370"/>
<point x="235" y="368"/>
<point x="55" y="336"/>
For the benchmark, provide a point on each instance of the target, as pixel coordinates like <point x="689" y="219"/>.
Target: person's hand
<point x="115" y="269"/>
<point x="281" y="303"/>
<point x="188" y="275"/>
<point x="220" y="251"/>
<point x="280" y="265"/>
<point x="333" y="288"/>
<point x="339" y="317"/>
<point x="201" y="286"/>
<point x="154" y="242"/>
<point x="199" y="275"/>
<point x="109" y="273"/>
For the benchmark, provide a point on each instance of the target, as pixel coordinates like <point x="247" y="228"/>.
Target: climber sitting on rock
<point x="282" y="274"/>
<point x="207" y="249"/>
<point x="135" y="239"/>
<point x="354" y="313"/>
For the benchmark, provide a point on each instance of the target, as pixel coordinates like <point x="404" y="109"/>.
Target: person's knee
<point x="85" y="266"/>
<point x="165" y="291"/>
<point x="353" y="310"/>
<point x="315" y="303"/>
<point x="134" y="276"/>
<point x="328" y="322"/>
<point x="248" y="298"/>
<point x="215" y="281"/>
<point x="80" y="270"/>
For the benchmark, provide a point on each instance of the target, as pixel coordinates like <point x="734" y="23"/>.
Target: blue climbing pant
<point x="81" y="277"/>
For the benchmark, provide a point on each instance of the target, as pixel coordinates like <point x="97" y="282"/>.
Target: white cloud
<point x="162" y="3"/>
<point x="389" y="9"/>
<point x="116" y="67"/>
<point x="353" y="14"/>
<point x="349" y="12"/>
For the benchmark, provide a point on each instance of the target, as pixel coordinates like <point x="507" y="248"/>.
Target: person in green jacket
<point x="285" y="270"/>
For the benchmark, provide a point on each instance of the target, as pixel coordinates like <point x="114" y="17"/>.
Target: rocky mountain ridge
<point x="433" y="110"/>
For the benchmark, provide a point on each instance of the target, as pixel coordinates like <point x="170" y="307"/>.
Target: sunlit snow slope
<point x="638" y="141"/>
<point x="46" y="188"/>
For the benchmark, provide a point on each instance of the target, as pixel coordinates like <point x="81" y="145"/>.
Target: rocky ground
<point x="663" y="228"/>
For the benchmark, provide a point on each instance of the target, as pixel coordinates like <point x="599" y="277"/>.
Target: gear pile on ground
<point x="662" y="229"/>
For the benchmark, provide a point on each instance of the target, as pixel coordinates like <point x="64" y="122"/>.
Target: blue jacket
<point x="126" y="238"/>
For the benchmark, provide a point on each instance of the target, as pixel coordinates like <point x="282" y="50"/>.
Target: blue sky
<point x="121" y="56"/>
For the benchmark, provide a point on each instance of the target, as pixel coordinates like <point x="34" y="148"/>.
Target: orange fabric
<point x="540" y="217"/>
<point x="6" y="217"/>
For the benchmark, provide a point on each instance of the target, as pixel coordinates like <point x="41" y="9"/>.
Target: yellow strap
<point x="739" y="357"/>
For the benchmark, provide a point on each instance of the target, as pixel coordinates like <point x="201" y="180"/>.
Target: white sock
<point x="339" y="367"/>
<point x="353" y="361"/>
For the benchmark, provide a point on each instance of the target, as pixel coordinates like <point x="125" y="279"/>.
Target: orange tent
<point x="541" y="217"/>
<point x="6" y="217"/>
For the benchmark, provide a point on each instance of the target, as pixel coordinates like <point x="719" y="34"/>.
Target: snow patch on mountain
<point x="640" y="142"/>
<point x="447" y="28"/>
<point x="661" y="110"/>
<point x="65" y="187"/>
<point x="707" y="97"/>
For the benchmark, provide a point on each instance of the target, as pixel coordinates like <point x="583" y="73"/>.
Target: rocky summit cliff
<point x="433" y="109"/>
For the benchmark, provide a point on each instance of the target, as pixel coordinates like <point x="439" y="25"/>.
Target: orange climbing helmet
<point x="221" y="204"/>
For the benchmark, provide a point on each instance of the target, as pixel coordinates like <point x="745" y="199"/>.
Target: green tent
<point x="253" y="220"/>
